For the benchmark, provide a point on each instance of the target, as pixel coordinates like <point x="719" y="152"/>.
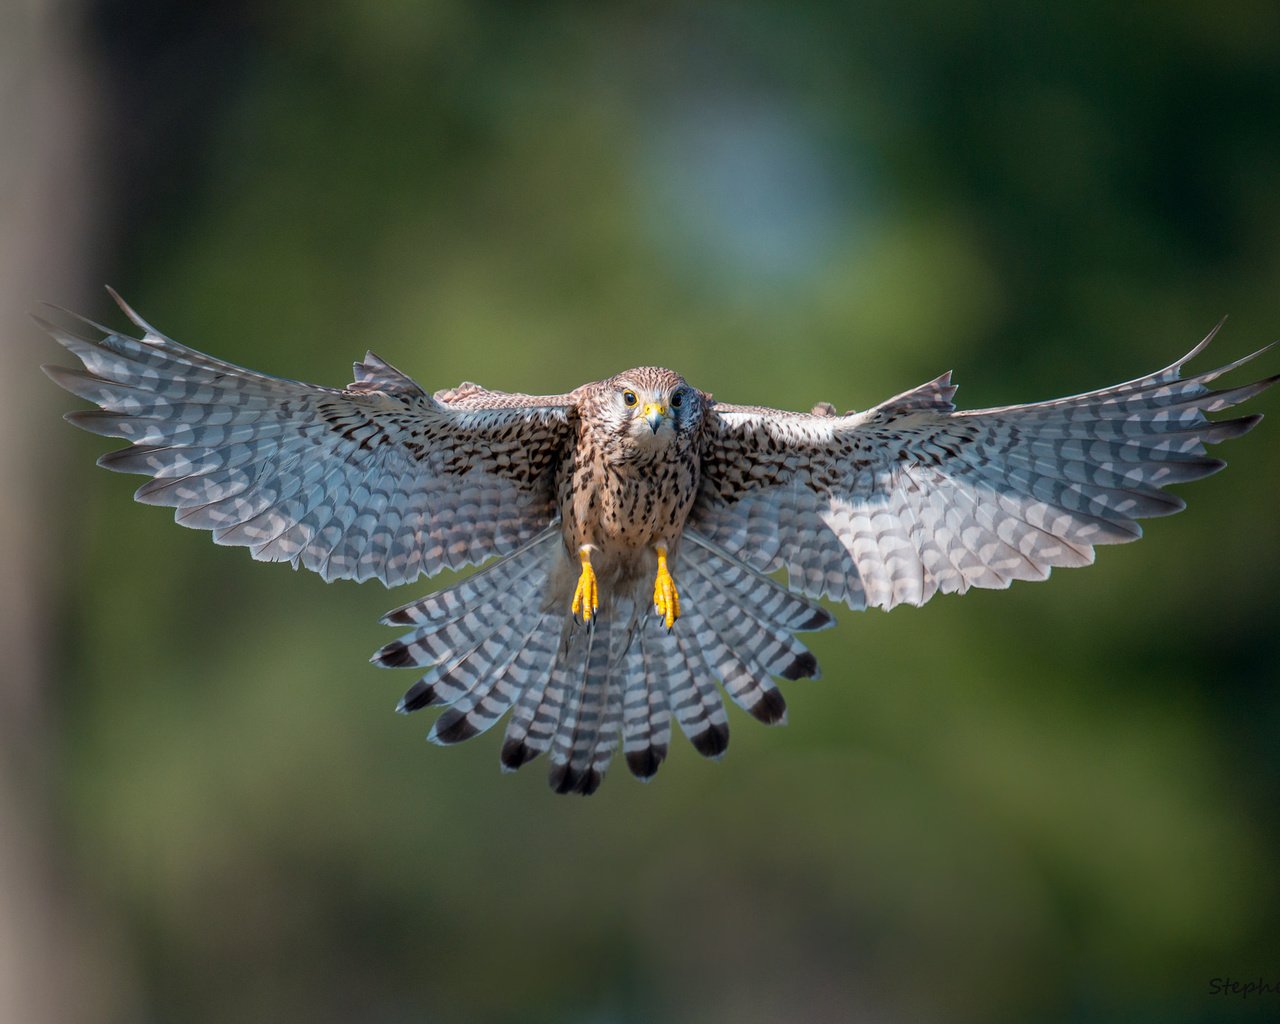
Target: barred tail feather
<point x="479" y="640"/>
<point x="746" y="685"/>
<point x="583" y="714"/>
<point x="610" y="730"/>
<point x="537" y="712"/>
<point x="495" y="691"/>
<point x="490" y="647"/>
<point x="694" y="699"/>
<point x="746" y="624"/>
<point x="759" y="641"/>
<point x="479" y="588"/>
<point x="646" y="711"/>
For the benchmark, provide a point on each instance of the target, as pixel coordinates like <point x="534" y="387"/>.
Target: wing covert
<point x="377" y="480"/>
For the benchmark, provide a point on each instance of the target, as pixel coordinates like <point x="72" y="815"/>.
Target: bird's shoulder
<point x="470" y="395"/>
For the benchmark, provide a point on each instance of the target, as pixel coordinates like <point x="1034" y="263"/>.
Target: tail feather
<point x="575" y="694"/>
<point x="456" y="638"/>
<point x="614" y="673"/>
<point x="459" y="673"/>
<point x="581" y="717"/>
<point x="694" y="698"/>
<point x="766" y="600"/>
<point x="486" y="641"/>
<point x="534" y="666"/>
<point x="646" y="712"/>
<point x="607" y="737"/>
<point x="452" y="624"/>
<point x="537" y="712"/>
<point x="461" y="599"/>
<point x="492" y="696"/>
<point x="769" y="648"/>
<point x="748" y="687"/>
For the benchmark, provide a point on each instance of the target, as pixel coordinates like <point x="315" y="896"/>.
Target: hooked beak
<point x="653" y="413"/>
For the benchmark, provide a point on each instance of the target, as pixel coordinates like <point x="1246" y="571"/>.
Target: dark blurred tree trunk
<point x="54" y="966"/>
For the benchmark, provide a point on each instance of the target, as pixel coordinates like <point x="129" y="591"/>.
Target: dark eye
<point x="677" y="400"/>
<point x="629" y="397"/>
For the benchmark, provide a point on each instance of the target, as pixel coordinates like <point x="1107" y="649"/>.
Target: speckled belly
<point x="621" y="510"/>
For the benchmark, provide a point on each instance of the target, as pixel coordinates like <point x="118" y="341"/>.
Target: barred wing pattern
<point x="377" y="480"/>
<point x="912" y="498"/>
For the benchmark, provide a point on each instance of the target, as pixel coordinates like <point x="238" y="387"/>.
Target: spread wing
<point x="379" y="479"/>
<point x="912" y="498"/>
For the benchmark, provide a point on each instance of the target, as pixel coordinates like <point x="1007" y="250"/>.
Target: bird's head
<point x="649" y="408"/>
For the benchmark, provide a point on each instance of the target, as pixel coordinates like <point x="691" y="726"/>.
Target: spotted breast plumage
<point x="631" y="525"/>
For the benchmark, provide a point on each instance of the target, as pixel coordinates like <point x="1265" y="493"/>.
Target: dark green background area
<point x="1052" y="804"/>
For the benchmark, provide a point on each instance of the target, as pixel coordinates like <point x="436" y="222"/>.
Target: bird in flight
<point x="631" y="525"/>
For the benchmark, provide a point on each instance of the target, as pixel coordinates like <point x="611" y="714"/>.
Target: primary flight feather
<point x="634" y="519"/>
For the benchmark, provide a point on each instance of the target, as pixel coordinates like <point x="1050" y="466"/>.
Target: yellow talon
<point x="666" y="601"/>
<point x="586" y="599"/>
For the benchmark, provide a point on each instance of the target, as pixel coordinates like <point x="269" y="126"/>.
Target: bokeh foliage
<point x="1056" y="803"/>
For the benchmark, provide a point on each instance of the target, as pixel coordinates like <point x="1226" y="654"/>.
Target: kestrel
<point x="632" y="522"/>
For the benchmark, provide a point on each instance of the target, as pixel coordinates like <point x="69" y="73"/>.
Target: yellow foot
<point x="586" y="599"/>
<point x="666" y="602"/>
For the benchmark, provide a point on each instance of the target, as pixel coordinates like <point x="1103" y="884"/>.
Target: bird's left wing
<point x="911" y="498"/>
<point x="376" y="480"/>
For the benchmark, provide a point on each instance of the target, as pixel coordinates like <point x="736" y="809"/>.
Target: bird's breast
<point x="618" y="507"/>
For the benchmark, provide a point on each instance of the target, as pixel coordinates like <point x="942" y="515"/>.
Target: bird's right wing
<point x="913" y="498"/>
<point x="376" y="480"/>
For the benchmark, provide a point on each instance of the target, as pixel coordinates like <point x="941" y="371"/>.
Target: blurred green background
<point x="1053" y="804"/>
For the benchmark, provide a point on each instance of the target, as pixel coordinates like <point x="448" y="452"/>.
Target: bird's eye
<point x="629" y="397"/>
<point x="677" y="400"/>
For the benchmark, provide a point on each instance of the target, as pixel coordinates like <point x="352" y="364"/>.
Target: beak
<point x="653" y="412"/>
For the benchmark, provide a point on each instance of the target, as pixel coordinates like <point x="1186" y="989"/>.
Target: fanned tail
<point x="491" y="646"/>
